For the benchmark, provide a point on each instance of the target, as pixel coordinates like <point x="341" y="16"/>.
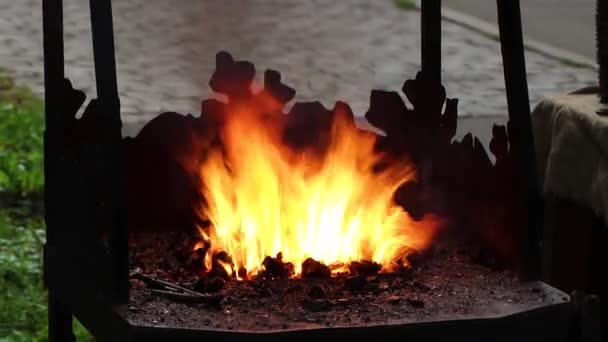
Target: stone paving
<point x="328" y="50"/>
<point x="544" y="21"/>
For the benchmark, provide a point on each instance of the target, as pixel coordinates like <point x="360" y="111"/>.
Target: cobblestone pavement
<point x="544" y="21"/>
<point x="328" y="50"/>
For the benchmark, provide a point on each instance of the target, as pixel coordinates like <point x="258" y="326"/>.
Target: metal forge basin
<point x="447" y="297"/>
<point x="498" y="308"/>
<point x="86" y="270"/>
<point x="546" y="320"/>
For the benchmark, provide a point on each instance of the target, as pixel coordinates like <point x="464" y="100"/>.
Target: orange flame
<point x="264" y="198"/>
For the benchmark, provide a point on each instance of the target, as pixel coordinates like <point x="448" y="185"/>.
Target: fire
<point x="264" y="198"/>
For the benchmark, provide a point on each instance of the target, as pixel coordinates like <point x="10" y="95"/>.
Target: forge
<point x="300" y="222"/>
<point x="263" y="219"/>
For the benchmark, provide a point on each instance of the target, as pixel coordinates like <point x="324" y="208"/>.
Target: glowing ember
<point x="264" y="198"/>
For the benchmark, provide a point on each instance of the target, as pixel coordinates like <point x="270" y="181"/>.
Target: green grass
<point x="23" y="294"/>
<point x="21" y="138"/>
<point x="23" y="317"/>
<point x="406" y="4"/>
<point x="23" y="298"/>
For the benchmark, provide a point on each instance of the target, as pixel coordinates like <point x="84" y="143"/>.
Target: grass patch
<point x="406" y="4"/>
<point x="23" y="298"/>
<point x="20" y="270"/>
<point x="21" y="139"/>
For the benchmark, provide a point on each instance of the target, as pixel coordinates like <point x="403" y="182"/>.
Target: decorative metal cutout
<point x="457" y="178"/>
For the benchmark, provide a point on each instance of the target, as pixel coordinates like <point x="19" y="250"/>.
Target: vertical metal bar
<point x="59" y="316"/>
<point x="109" y="108"/>
<point x="431" y="38"/>
<point x="60" y="321"/>
<point x="103" y="48"/>
<point x="52" y="24"/>
<point x="521" y="139"/>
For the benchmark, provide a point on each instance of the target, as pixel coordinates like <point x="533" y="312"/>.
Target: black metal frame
<point x="520" y="126"/>
<point x="520" y="123"/>
<point x="106" y="247"/>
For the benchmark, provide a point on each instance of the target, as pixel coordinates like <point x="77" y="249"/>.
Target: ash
<point x="447" y="285"/>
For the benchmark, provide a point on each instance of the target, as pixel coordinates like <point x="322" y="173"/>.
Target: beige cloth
<point x="572" y="149"/>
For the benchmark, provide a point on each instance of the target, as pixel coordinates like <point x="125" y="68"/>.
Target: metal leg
<point x="520" y="122"/>
<point x="60" y="321"/>
<point x="431" y="39"/>
<point x="59" y="315"/>
<point x="109" y="107"/>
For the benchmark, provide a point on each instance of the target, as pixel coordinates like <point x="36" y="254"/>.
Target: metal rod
<point x="431" y="39"/>
<point x="60" y="321"/>
<point x="103" y="48"/>
<point x="521" y="139"/>
<point x="52" y="24"/>
<point x="109" y="108"/>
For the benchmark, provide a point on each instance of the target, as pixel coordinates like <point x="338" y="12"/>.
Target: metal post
<point x="52" y="21"/>
<point x="103" y="49"/>
<point x="60" y="322"/>
<point x="59" y="315"/>
<point x="521" y="139"/>
<point x="109" y="110"/>
<point x="431" y="39"/>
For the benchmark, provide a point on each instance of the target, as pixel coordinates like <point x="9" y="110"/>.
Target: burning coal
<point x="333" y="204"/>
